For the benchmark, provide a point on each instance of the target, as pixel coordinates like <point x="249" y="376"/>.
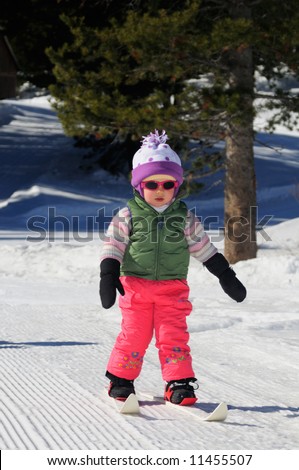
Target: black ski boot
<point x="181" y="392"/>
<point x="120" y="388"/>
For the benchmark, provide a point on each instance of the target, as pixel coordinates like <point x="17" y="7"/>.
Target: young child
<point x="148" y="244"/>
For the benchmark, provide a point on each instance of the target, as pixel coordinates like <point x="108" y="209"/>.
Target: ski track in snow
<point x="44" y="409"/>
<point x="54" y="395"/>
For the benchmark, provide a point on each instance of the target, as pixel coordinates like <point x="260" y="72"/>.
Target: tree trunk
<point x="240" y="186"/>
<point x="239" y="195"/>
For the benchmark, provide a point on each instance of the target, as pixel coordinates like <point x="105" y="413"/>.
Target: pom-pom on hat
<point x="155" y="157"/>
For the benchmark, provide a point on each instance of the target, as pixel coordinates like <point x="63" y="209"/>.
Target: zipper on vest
<point x="160" y="225"/>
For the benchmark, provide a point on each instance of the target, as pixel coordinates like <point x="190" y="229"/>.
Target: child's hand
<point x="231" y="285"/>
<point x="110" y="271"/>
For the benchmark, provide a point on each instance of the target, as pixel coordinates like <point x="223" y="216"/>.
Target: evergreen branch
<point x="283" y="97"/>
<point x="263" y="144"/>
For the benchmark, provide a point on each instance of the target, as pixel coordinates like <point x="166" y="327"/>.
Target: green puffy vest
<point x="157" y="248"/>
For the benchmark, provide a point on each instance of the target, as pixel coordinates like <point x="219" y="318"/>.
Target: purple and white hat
<point x="155" y="157"/>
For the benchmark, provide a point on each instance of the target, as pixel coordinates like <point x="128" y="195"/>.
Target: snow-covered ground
<point x="56" y="338"/>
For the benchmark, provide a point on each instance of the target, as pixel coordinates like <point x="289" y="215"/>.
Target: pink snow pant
<point x="149" y="307"/>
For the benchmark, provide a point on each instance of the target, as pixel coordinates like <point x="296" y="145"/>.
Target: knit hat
<point x="155" y="157"/>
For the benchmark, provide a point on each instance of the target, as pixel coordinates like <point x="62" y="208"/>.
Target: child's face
<point x="160" y="196"/>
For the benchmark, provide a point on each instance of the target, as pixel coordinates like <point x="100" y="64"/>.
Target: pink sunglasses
<point x="153" y="185"/>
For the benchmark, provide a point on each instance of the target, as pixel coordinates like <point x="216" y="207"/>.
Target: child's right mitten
<point x="110" y="272"/>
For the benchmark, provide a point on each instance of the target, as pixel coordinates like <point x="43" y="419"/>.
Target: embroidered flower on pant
<point x="132" y="361"/>
<point x="177" y="356"/>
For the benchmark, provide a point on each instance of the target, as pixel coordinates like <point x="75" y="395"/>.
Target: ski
<point x="128" y="407"/>
<point x="219" y="413"/>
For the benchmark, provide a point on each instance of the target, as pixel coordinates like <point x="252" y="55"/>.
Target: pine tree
<point x="187" y="67"/>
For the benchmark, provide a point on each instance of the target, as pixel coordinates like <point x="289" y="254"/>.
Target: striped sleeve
<point x="200" y="246"/>
<point x="116" y="238"/>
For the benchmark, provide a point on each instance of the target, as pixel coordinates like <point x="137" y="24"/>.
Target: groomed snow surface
<point x="56" y="338"/>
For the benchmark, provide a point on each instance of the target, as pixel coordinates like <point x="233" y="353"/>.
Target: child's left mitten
<point x="231" y="285"/>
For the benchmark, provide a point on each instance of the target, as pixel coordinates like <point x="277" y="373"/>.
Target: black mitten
<point x="231" y="285"/>
<point x="110" y="272"/>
